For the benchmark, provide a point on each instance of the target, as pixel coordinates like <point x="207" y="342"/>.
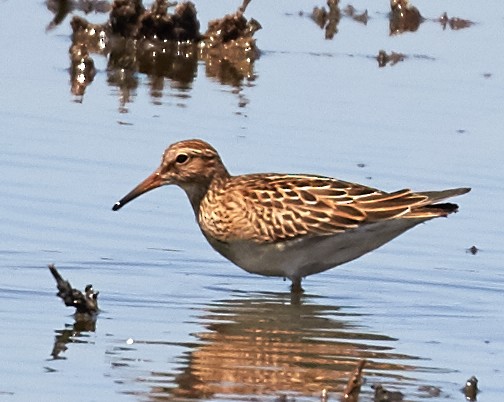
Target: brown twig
<point x="84" y="303"/>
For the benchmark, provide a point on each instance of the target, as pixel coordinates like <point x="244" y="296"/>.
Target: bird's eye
<point x="181" y="158"/>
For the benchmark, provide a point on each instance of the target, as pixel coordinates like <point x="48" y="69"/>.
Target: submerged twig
<point x="244" y="5"/>
<point x="353" y="386"/>
<point x="84" y="303"/>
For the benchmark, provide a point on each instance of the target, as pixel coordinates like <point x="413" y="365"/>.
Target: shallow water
<point x="178" y="320"/>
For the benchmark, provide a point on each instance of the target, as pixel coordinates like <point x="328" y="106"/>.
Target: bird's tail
<point x="432" y="206"/>
<point x="435" y="196"/>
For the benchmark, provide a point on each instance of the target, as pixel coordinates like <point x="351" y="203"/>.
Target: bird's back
<point x="268" y="208"/>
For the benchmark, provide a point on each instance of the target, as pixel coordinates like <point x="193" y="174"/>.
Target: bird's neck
<point x="197" y="191"/>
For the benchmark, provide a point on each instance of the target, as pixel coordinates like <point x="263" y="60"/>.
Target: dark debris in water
<point x="228" y="47"/>
<point x="130" y="19"/>
<point x="162" y="44"/>
<point x="454" y="23"/>
<point x="470" y="389"/>
<point x="165" y="41"/>
<point x="403" y="17"/>
<point x="381" y="394"/>
<point x="328" y="19"/>
<point x="62" y="8"/>
<point x="85" y="303"/>
<point x="393" y="58"/>
<point x="473" y="250"/>
<point x="82" y="69"/>
<point x="350" y="11"/>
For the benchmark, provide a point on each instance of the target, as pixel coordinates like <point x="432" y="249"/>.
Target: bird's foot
<point x="296" y="286"/>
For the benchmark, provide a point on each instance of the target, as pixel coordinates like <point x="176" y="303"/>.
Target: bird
<point x="288" y="225"/>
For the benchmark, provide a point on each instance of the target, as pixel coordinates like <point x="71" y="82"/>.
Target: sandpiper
<point x="288" y="225"/>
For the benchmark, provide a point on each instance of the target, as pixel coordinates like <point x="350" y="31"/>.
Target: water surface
<point x="178" y="320"/>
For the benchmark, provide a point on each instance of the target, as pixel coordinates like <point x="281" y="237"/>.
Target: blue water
<point x="178" y="320"/>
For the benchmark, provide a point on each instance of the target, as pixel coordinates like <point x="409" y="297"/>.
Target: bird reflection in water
<point x="263" y="345"/>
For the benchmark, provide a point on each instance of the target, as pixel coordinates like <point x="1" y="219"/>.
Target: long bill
<point x="150" y="183"/>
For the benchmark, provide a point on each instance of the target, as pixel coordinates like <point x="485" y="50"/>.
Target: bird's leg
<point x="296" y="285"/>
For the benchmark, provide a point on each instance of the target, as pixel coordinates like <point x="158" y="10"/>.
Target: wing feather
<point x="271" y="207"/>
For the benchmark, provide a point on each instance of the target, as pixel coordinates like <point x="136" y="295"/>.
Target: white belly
<point x="306" y="256"/>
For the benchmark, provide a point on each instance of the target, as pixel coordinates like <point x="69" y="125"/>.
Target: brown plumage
<point x="274" y="207"/>
<point x="285" y="224"/>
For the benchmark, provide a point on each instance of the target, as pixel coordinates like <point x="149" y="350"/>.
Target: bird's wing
<point x="268" y="208"/>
